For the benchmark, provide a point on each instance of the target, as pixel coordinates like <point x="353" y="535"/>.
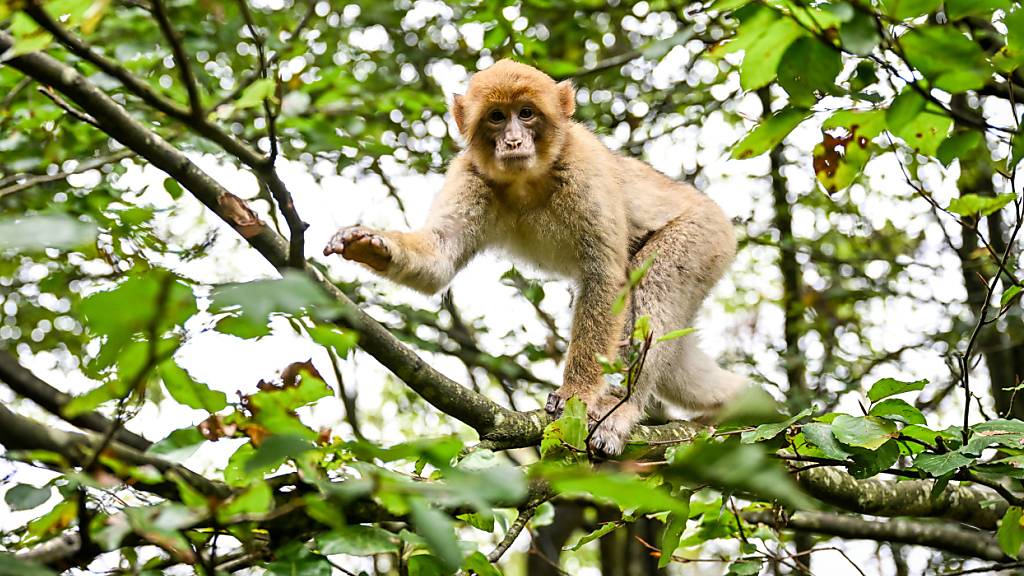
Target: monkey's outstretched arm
<point x="427" y="259"/>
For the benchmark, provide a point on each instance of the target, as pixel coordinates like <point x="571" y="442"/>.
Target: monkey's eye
<point x="525" y="113"/>
<point x="496" y="116"/>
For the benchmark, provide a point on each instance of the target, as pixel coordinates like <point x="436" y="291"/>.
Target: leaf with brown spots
<point x="846" y="147"/>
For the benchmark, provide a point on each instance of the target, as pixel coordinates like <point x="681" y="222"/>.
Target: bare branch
<point x="26" y="384"/>
<point x="941" y="536"/>
<point x="31" y="180"/>
<point x="180" y="57"/>
<point x="296" y="227"/>
<point x="71" y="110"/>
<point x="513" y="532"/>
<point x="974" y="505"/>
<point x="21" y="433"/>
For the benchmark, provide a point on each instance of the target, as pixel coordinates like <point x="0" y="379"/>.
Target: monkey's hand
<point x="361" y="245"/>
<point x="558" y="398"/>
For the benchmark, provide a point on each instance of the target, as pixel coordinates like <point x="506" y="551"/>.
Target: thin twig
<point x="37" y="179"/>
<point x="63" y="105"/>
<point x="180" y="57"/>
<point x="513" y="532"/>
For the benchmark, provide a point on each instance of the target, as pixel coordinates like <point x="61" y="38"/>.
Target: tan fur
<point x="578" y="209"/>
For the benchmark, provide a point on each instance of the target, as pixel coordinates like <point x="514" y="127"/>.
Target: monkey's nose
<point x="513" y="142"/>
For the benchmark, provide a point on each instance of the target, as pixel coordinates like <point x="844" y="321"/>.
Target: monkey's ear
<point x="567" y="97"/>
<point x="459" y="112"/>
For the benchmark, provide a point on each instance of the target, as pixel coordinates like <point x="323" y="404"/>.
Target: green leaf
<point x="606" y="528"/>
<point x="34" y="232"/>
<point x="957" y="9"/>
<point x="294" y="559"/>
<point x="859" y="35"/>
<point x="675" y="525"/>
<point x="258" y="498"/>
<point x="896" y="409"/>
<point x="11" y="566"/>
<point x="274" y="450"/>
<point x="727" y="5"/>
<point x="739" y="467"/>
<point x="973" y="204"/>
<point x="744" y="568"/>
<point x="626" y="491"/>
<point x="905" y="107"/>
<point x="959" y="145"/>
<point x="769" y="133"/>
<point x="761" y="61"/>
<point x="179" y="444"/>
<point x="675" y="334"/>
<point x="339" y="340"/>
<point x="889" y="387"/>
<point x="569" y="430"/>
<point x="256" y="93"/>
<point x="863" y="431"/>
<point x="252" y="303"/>
<point x="1011" y="531"/>
<point x="867" y="463"/>
<point x="438" y="530"/>
<point x="28" y="37"/>
<point x="939" y="464"/>
<point x="946" y="57"/>
<point x="769" y="431"/>
<point x="905" y="9"/>
<point x="846" y="146"/>
<point x="173" y="188"/>
<point x="187" y="391"/>
<point x="926" y="131"/>
<point x="478" y="564"/>
<point x="26" y="496"/>
<point x="358" y="541"/>
<point x="1008" y="295"/>
<point x="820" y="434"/>
<point x="809" y="68"/>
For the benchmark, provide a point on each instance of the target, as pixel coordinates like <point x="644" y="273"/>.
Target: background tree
<point x="189" y="387"/>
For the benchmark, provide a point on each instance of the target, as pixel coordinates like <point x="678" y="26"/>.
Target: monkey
<point x="540" y="186"/>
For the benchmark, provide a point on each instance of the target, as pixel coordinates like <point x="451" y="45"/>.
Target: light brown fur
<point x="573" y="207"/>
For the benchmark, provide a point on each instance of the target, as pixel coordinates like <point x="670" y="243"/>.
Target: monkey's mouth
<point x="516" y="157"/>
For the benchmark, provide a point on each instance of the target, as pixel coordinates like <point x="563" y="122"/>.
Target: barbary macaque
<point x="544" y="188"/>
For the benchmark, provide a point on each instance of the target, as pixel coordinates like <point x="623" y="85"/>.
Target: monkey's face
<point x="515" y="131"/>
<point x="514" y="119"/>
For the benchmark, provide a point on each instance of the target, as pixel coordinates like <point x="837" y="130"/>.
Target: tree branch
<point x="13" y="186"/>
<point x="941" y="536"/>
<point x="21" y="433"/>
<point x="974" y="505"/>
<point x="26" y="384"/>
<point x="180" y="57"/>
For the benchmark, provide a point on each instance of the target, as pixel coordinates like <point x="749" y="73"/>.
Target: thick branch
<point x="26" y="384"/>
<point x="21" y="433"/>
<point x="974" y="505"/>
<point x="941" y="536"/>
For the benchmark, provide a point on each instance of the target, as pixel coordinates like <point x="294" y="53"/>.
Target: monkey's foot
<point x="361" y="245"/>
<point x="612" y="421"/>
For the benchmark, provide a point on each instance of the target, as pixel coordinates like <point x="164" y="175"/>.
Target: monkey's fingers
<point x="555" y="404"/>
<point x="369" y="250"/>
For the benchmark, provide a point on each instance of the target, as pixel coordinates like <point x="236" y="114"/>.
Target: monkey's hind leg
<point x="690" y="254"/>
